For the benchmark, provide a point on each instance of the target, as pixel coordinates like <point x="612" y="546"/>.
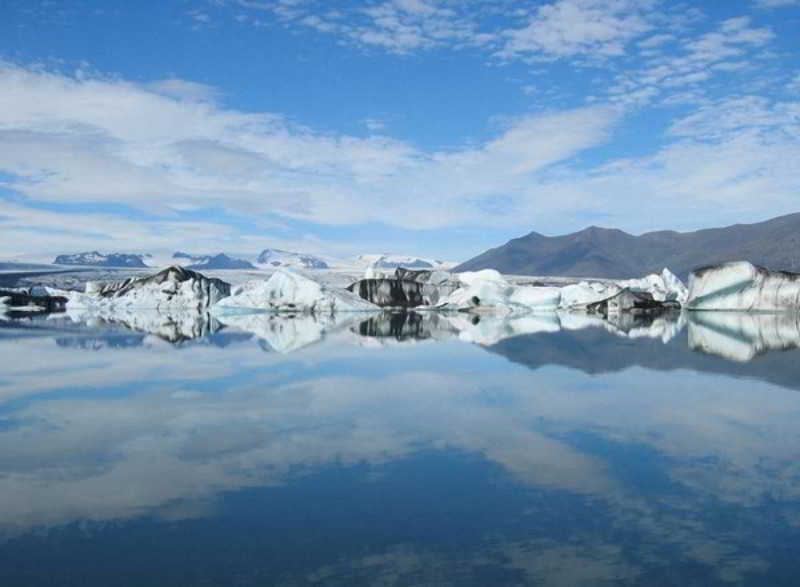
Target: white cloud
<point x="734" y="45"/>
<point x="84" y="140"/>
<point x="396" y="26"/>
<point x="595" y="28"/>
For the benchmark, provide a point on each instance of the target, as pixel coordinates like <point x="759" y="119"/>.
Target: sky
<point x="437" y="128"/>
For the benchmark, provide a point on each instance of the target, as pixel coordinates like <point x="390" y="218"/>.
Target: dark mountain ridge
<point x="613" y="253"/>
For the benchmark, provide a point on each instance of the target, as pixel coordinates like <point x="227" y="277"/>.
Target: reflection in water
<point x="731" y="335"/>
<point x="742" y="336"/>
<point x="595" y="459"/>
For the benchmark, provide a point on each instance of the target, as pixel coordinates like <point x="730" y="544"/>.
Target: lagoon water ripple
<point x="399" y="450"/>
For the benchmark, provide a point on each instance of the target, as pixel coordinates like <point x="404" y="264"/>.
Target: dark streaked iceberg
<point x="742" y="286"/>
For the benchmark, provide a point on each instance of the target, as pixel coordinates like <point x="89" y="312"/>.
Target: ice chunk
<point x="743" y="286"/>
<point x="171" y="288"/>
<point x="580" y="295"/>
<point x="288" y="291"/>
<point x="664" y="286"/>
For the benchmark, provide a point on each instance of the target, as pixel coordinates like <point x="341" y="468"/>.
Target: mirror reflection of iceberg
<point x="284" y="333"/>
<point x="173" y="326"/>
<point x="489" y="329"/>
<point x="739" y="336"/>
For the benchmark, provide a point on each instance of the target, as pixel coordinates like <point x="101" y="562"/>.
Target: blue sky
<point x="428" y="127"/>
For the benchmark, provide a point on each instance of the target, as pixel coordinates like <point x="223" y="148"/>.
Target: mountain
<point x="96" y="259"/>
<point x="279" y="258"/>
<point x="221" y="261"/>
<point x="612" y="253"/>
<point x="386" y="261"/>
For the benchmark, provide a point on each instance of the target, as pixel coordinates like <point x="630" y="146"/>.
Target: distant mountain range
<point x="612" y="253"/>
<point x="220" y="261"/>
<point x="388" y="261"/>
<point x="96" y="259"/>
<point x="280" y="258"/>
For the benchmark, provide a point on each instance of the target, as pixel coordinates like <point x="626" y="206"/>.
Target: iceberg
<point x="288" y="291"/>
<point x="169" y="289"/>
<point x="488" y="290"/>
<point x="405" y="289"/>
<point x="664" y="286"/>
<point x="31" y="300"/>
<point x="744" y="287"/>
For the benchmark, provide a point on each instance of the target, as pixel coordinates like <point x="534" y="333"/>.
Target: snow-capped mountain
<point x="96" y="259"/>
<point x="220" y="261"/>
<point x="387" y="261"/>
<point x="280" y="258"/>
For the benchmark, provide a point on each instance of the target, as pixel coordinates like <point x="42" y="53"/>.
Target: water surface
<point x="392" y="451"/>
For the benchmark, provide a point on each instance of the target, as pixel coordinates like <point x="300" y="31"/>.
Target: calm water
<point x="392" y="452"/>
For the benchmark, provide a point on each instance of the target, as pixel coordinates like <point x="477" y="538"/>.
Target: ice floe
<point x="744" y="287"/>
<point x="489" y="290"/>
<point x="664" y="286"/>
<point x="288" y="291"/>
<point x="171" y="288"/>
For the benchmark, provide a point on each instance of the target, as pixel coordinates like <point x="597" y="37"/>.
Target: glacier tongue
<point x="288" y="291"/>
<point x="743" y="286"/>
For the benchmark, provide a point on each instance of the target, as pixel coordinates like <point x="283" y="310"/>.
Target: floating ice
<point x="743" y="286"/>
<point x="489" y="290"/>
<point x="287" y="291"/>
<point x="169" y="289"/>
<point x="664" y="286"/>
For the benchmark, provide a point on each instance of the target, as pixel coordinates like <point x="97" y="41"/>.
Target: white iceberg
<point x="287" y="291"/>
<point x="579" y="295"/>
<point x="664" y="286"/>
<point x="743" y="286"/>
<point x="171" y="289"/>
<point x="489" y="290"/>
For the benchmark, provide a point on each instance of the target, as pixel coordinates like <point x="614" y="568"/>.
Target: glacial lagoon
<point x="399" y="450"/>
